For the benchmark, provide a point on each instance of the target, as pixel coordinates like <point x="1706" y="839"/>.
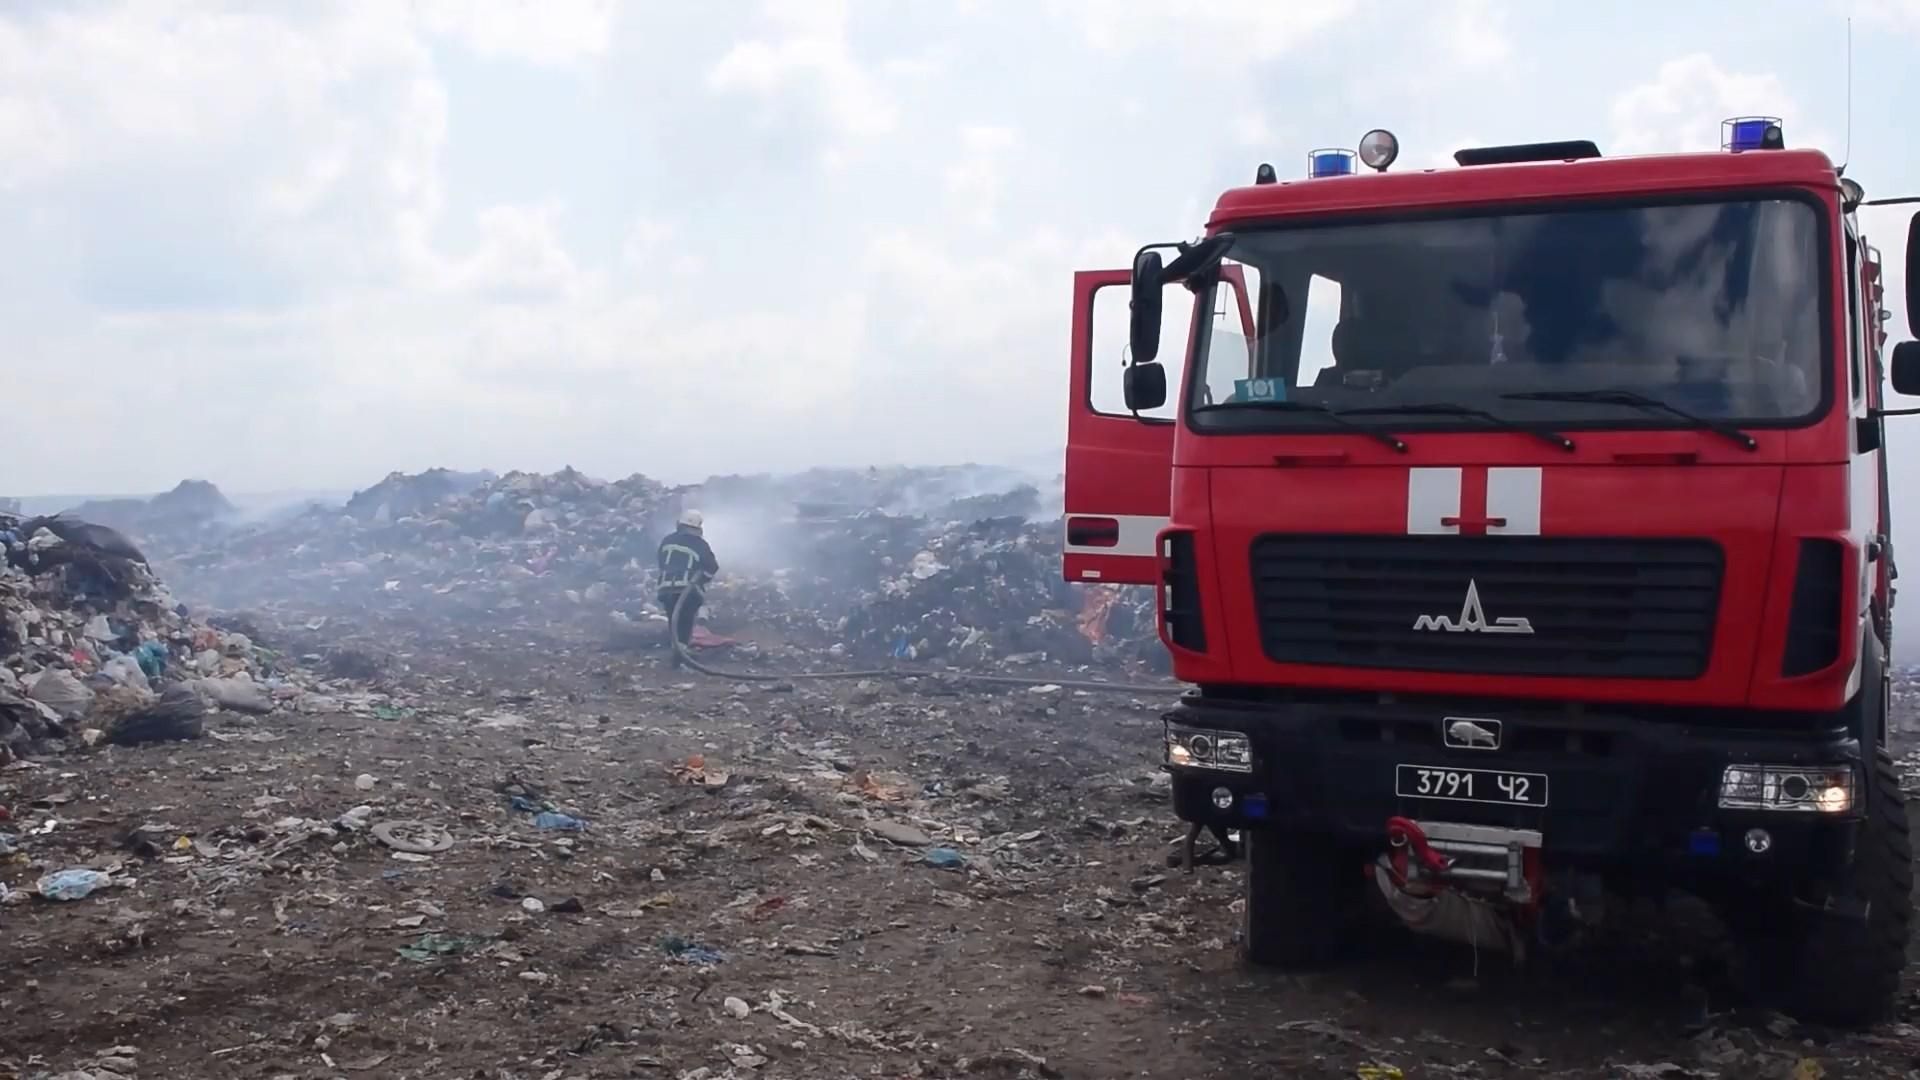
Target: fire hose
<point x="685" y="652"/>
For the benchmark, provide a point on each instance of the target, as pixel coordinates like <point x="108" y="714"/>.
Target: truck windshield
<point x="1542" y="318"/>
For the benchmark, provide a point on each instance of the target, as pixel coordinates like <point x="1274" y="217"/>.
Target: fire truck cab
<point x="1523" y="530"/>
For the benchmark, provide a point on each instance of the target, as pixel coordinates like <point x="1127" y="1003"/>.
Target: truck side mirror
<point x="1904" y="372"/>
<point x="1145" y="386"/>
<point x="1913" y="280"/>
<point x="1144" y="332"/>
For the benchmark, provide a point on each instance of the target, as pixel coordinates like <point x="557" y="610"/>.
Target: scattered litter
<point x="72" y="884"/>
<point x="414" y="836"/>
<point x="552" y="819"/>
<point x="431" y="947"/>
<point x="695" y="770"/>
<point x="691" y="952"/>
<point x="898" y="832"/>
<point x="944" y="858"/>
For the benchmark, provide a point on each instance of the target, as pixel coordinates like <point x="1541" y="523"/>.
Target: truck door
<point x="1119" y="479"/>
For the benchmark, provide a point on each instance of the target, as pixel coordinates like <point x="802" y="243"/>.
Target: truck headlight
<point x="1196" y="748"/>
<point x="1821" y="789"/>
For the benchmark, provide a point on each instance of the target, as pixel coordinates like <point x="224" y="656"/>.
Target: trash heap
<point x="957" y="565"/>
<point x="93" y="645"/>
<point x="193" y="511"/>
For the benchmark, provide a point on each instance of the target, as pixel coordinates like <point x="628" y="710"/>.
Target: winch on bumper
<point x="1602" y="792"/>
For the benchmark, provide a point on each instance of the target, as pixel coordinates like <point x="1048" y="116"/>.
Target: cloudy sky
<point x="303" y="249"/>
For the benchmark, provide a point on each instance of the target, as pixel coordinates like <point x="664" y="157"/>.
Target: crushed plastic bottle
<point x="72" y="884"/>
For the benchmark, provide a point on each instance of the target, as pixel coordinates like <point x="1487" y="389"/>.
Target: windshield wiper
<point x="1635" y="399"/>
<point x="1448" y="408"/>
<point x="1387" y="437"/>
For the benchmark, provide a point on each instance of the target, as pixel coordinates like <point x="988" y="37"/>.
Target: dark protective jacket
<point x="686" y="559"/>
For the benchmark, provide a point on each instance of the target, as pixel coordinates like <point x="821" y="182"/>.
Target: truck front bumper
<point x="1605" y="792"/>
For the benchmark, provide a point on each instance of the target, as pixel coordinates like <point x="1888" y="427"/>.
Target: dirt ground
<point x="747" y="899"/>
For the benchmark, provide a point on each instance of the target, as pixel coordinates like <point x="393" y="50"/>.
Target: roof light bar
<point x="1752" y="133"/>
<point x="1330" y="163"/>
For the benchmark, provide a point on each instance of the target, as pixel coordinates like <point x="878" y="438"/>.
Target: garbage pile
<point x="956" y="565"/>
<point x="93" y="646"/>
<point x="193" y="510"/>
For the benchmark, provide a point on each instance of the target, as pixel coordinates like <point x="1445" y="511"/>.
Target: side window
<point x="1111" y="319"/>
<point x="1316" y="337"/>
<point x="1231" y="355"/>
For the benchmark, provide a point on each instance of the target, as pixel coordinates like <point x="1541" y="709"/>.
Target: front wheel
<point x="1303" y="900"/>
<point x="1845" y="971"/>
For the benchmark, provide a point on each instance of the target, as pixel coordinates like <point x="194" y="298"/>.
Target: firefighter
<point x="686" y="565"/>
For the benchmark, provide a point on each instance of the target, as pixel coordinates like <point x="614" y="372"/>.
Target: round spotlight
<point x="1222" y="798"/>
<point x="1201" y="745"/>
<point x="1379" y="149"/>
<point x="1759" y="841"/>
<point x="1795" y="788"/>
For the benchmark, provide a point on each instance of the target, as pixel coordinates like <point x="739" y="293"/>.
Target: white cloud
<point x="80" y="91"/>
<point x="1230" y="32"/>
<point x="546" y="32"/>
<point x="977" y="176"/>
<point x="808" y="51"/>
<point x="1904" y="14"/>
<point x="1474" y="33"/>
<point x="1681" y="108"/>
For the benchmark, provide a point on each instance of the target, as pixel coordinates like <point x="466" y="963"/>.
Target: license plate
<point x="1471" y="785"/>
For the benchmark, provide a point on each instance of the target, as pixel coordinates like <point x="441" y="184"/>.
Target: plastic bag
<point x="60" y="691"/>
<point x="237" y="695"/>
<point x="125" y="670"/>
<point x="72" y="884"/>
<point x="152" y="658"/>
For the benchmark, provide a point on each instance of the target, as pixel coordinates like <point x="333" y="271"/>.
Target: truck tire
<point x="1303" y="900"/>
<point x="1843" y="971"/>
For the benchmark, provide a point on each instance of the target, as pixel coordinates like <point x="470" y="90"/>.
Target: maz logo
<point x="1473" y="619"/>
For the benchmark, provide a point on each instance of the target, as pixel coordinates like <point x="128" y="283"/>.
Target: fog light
<point x="1823" y="789"/>
<point x="1759" y="841"/>
<point x="1222" y="799"/>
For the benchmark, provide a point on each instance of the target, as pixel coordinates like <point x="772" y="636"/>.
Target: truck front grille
<point x="1609" y="607"/>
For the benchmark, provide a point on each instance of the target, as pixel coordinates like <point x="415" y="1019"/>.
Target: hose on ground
<point x="685" y="652"/>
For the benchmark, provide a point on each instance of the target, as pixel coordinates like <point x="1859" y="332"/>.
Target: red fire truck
<point x="1522" y="527"/>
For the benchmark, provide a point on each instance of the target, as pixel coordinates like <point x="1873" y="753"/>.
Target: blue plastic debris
<point x="550" y="819"/>
<point x="152" y="658"/>
<point x="72" y="884"/>
<point x="690" y="952"/>
<point x="944" y="858"/>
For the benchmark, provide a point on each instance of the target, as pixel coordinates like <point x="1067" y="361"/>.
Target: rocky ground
<point x="514" y="857"/>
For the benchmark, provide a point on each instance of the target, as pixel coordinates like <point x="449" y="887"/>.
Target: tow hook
<point x="1475" y="884"/>
<point x="1402" y="833"/>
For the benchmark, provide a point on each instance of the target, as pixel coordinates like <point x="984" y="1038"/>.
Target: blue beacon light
<point x="1752" y="133"/>
<point x="1330" y="163"/>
